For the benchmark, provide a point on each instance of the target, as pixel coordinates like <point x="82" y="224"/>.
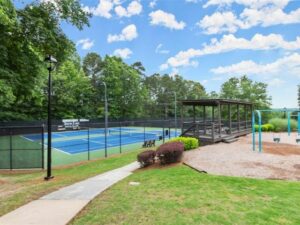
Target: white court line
<point x="98" y="142"/>
<point x="46" y="146"/>
<point x="28" y="139"/>
<point x="58" y="134"/>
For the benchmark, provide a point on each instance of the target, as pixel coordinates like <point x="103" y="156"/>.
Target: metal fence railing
<point x="23" y="147"/>
<point x="17" y="151"/>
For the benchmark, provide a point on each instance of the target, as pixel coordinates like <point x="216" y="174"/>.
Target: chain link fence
<point x="24" y="147"/>
<point x="18" y="150"/>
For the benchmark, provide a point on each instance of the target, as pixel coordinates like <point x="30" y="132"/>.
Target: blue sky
<point x="202" y="40"/>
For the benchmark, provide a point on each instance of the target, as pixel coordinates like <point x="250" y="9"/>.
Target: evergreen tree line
<point x="29" y="34"/>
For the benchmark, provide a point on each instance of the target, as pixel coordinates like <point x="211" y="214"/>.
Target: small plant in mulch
<point x="170" y="152"/>
<point x="146" y="158"/>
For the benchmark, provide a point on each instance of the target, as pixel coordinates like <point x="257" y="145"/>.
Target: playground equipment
<point x="275" y="139"/>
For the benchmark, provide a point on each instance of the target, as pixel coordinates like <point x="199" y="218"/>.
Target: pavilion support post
<point x="229" y="115"/>
<point x="204" y="119"/>
<point x="213" y="114"/>
<point x="251" y="110"/>
<point x="194" y="112"/>
<point x="219" y="119"/>
<point x="238" y="117"/>
<point x="194" y="120"/>
<point x="246" y="117"/>
<point x="181" y="119"/>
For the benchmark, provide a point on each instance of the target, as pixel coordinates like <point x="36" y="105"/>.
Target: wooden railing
<point x="214" y="129"/>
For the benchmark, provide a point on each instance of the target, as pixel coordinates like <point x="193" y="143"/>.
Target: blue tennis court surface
<point x="78" y="141"/>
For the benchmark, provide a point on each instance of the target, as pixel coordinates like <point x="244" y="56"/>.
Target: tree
<point x="27" y="35"/>
<point x="92" y="66"/>
<point x="138" y="66"/>
<point x="245" y="89"/>
<point x="124" y="87"/>
<point x="72" y="91"/>
<point x="161" y="90"/>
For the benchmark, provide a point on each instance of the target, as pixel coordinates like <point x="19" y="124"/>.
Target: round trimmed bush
<point x="146" y="158"/>
<point x="170" y="152"/>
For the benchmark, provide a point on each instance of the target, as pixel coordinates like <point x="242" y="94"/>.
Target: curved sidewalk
<point x="59" y="207"/>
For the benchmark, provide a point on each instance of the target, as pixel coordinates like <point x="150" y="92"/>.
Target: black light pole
<point x="50" y="68"/>
<point x="106" y="116"/>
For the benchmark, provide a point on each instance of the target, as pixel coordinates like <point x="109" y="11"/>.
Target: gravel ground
<point x="278" y="161"/>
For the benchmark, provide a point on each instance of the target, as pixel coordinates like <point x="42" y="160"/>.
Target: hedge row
<point x="277" y="125"/>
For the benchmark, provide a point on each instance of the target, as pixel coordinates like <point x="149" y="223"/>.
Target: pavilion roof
<point x="214" y="102"/>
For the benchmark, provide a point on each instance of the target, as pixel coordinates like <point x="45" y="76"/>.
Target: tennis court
<point x="79" y="141"/>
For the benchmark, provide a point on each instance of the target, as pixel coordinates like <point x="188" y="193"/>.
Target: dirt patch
<point x="281" y="149"/>
<point x="2" y="182"/>
<point x="297" y="166"/>
<point x="277" y="161"/>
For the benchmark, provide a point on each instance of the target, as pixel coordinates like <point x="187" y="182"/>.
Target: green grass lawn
<point x="180" y="195"/>
<point x="18" y="188"/>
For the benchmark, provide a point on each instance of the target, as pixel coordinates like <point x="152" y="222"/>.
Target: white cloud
<point x="123" y="53"/>
<point x="268" y="17"/>
<point x="152" y="4"/>
<point x="128" y="34"/>
<point x="257" y="13"/>
<point x="192" y="1"/>
<point x="286" y="65"/>
<point x="86" y="44"/>
<point x="248" y="3"/>
<point x="276" y="82"/>
<point x="159" y="49"/>
<point x="103" y="9"/>
<point x="204" y="82"/>
<point x="174" y="72"/>
<point x="165" y="19"/>
<point x="219" y="23"/>
<point x="164" y="66"/>
<point x="134" y="8"/>
<point x="230" y="43"/>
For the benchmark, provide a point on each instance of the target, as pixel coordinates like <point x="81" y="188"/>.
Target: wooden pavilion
<point x="215" y="120"/>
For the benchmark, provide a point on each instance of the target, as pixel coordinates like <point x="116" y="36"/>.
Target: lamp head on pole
<point x="51" y="60"/>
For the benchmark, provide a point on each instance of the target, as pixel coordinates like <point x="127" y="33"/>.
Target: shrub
<point x="265" y="127"/>
<point x="170" y="152"/>
<point x="146" y="158"/>
<point x="282" y="124"/>
<point x="188" y="142"/>
<point x="269" y="127"/>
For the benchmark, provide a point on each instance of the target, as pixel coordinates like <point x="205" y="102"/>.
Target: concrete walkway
<point x="59" y="207"/>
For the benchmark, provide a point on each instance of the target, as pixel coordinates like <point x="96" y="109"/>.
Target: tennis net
<point x="135" y="134"/>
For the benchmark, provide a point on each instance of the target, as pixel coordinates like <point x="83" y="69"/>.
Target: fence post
<point x="169" y="129"/>
<point x="144" y="132"/>
<point x="10" y="148"/>
<point x="105" y="140"/>
<point x="88" y="133"/>
<point x="163" y="134"/>
<point x="43" y="147"/>
<point x="120" y="136"/>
